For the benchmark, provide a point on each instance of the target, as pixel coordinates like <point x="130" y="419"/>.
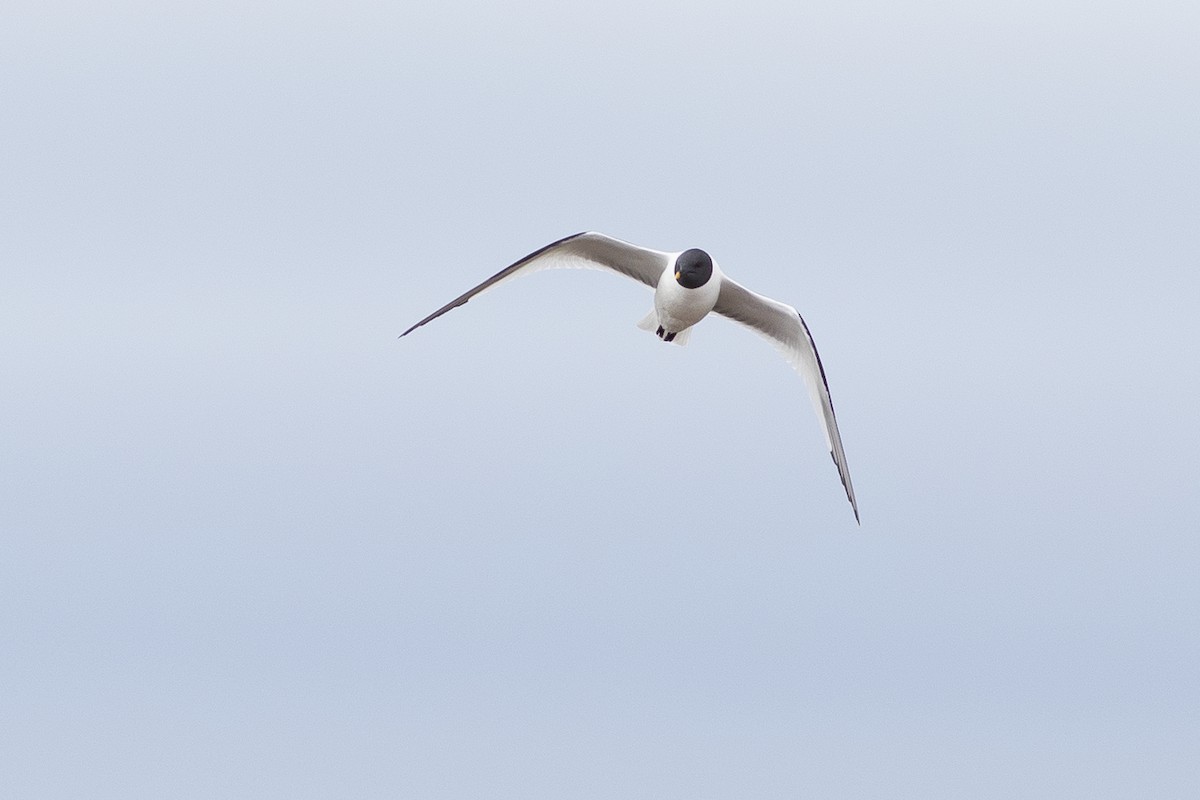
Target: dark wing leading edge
<point x="583" y="250"/>
<point x="783" y="326"/>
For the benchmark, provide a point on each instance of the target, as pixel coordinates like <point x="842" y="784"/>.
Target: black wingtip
<point x="846" y="486"/>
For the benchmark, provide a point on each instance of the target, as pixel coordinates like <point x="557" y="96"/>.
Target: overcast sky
<point x="253" y="545"/>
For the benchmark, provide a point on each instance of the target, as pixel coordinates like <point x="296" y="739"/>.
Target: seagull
<point x="688" y="286"/>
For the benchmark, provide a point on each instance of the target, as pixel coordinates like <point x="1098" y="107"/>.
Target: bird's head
<point x="693" y="268"/>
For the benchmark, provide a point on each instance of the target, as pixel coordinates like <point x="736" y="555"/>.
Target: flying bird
<point x="687" y="286"/>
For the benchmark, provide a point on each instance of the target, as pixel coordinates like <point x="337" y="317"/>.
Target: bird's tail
<point x="650" y="323"/>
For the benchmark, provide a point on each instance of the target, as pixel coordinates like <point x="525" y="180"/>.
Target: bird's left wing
<point x="783" y="326"/>
<point x="583" y="250"/>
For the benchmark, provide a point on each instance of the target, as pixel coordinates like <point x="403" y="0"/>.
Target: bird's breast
<point x="679" y="307"/>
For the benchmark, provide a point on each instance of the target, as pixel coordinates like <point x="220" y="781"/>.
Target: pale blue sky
<point x="255" y="546"/>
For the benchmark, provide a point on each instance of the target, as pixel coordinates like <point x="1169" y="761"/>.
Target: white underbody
<point x="679" y="308"/>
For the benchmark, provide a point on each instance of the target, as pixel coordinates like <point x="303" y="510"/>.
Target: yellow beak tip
<point x="677" y="274"/>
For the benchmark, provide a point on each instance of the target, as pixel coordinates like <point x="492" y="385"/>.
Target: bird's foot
<point x="670" y="337"/>
<point x="659" y="333"/>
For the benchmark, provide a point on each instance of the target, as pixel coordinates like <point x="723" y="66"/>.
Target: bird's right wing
<point x="583" y="250"/>
<point x="783" y="326"/>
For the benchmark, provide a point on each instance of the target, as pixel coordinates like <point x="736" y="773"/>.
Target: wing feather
<point x="586" y="250"/>
<point x="783" y="326"/>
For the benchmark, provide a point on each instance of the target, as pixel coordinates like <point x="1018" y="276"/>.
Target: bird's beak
<point x="677" y="274"/>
